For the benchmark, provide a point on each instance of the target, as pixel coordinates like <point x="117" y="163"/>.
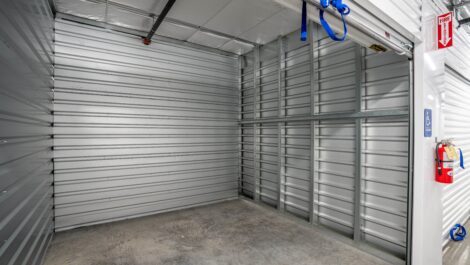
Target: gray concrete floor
<point x="235" y="232"/>
<point x="458" y="252"/>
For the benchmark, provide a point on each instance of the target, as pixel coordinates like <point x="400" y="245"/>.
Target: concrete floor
<point x="458" y="253"/>
<point x="235" y="232"/>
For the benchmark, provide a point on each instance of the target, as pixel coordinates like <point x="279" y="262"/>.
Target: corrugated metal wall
<point x="140" y="129"/>
<point x="329" y="142"/>
<point x="456" y="119"/>
<point x="26" y="68"/>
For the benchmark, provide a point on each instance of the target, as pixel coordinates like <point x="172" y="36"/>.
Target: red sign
<point x="444" y="31"/>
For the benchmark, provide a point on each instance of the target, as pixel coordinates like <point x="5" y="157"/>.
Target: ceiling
<point x="229" y="25"/>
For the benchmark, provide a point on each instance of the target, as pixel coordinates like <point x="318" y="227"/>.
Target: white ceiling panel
<point x="81" y="8"/>
<point x="236" y="47"/>
<point x="196" y="12"/>
<point x="257" y="21"/>
<point x="175" y="31"/>
<point x="208" y="39"/>
<point x="241" y="15"/>
<point x="281" y="23"/>
<point x="151" y="6"/>
<point x="127" y="19"/>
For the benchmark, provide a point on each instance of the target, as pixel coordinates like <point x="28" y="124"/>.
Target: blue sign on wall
<point x="427" y="122"/>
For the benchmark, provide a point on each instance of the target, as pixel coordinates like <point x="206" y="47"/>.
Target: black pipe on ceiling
<point x="161" y="17"/>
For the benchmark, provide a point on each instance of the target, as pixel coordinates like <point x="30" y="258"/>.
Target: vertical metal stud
<point x="358" y="147"/>
<point x="316" y="87"/>
<point x="256" y="66"/>
<point x="240" y="127"/>
<point x="410" y="167"/>
<point x="313" y="39"/>
<point x="281" y="67"/>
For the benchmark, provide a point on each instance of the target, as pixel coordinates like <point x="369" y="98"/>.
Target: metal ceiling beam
<point x="173" y="21"/>
<point x="464" y="21"/>
<point x="159" y="21"/>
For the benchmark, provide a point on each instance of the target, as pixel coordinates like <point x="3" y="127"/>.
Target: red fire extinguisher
<point x="444" y="165"/>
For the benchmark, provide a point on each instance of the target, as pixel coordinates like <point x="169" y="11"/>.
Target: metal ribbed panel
<point x="345" y="173"/>
<point x="455" y="109"/>
<point x="335" y="171"/>
<point x="385" y="183"/>
<point x="336" y="72"/>
<point x="296" y="168"/>
<point x="384" y="177"/>
<point x="140" y="129"/>
<point x="386" y="83"/>
<point x="26" y="51"/>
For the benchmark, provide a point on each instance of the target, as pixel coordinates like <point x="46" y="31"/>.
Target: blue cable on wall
<point x="342" y="9"/>
<point x="303" y="30"/>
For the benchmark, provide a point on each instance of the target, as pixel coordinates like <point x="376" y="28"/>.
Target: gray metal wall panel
<point x="26" y="58"/>
<point x="385" y="151"/>
<point x="455" y="111"/>
<point x="385" y="182"/>
<point x="140" y="129"/>
<point x="347" y="174"/>
<point x="334" y="174"/>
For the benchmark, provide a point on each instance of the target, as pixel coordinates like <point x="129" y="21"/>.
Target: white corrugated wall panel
<point x="140" y="129"/>
<point x="456" y="118"/>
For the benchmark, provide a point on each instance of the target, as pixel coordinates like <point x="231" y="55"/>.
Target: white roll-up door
<point x="140" y="129"/>
<point x="456" y="118"/>
<point x="406" y="13"/>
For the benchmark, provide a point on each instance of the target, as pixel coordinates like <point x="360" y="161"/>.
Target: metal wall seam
<point x="316" y="36"/>
<point x="313" y="42"/>
<point x="280" y="126"/>
<point x="26" y="205"/>
<point x="411" y="129"/>
<point x="256" y="66"/>
<point x="358" y="156"/>
<point x="240" y="128"/>
<point x="140" y="129"/>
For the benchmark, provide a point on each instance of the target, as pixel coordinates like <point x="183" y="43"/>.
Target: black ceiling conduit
<point x="166" y="9"/>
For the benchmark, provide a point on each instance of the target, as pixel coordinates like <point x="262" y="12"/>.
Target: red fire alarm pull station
<point x="444" y="31"/>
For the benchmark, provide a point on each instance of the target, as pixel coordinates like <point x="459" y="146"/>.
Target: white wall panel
<point x="455" y="107"/>
<point x="139" y="129"/>
<point x="26" y="69"/>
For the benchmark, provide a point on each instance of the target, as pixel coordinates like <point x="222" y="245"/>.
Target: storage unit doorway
<point x="219" y="140"/>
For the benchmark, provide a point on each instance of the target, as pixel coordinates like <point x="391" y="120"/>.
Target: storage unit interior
<point x="318" y="130"/>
